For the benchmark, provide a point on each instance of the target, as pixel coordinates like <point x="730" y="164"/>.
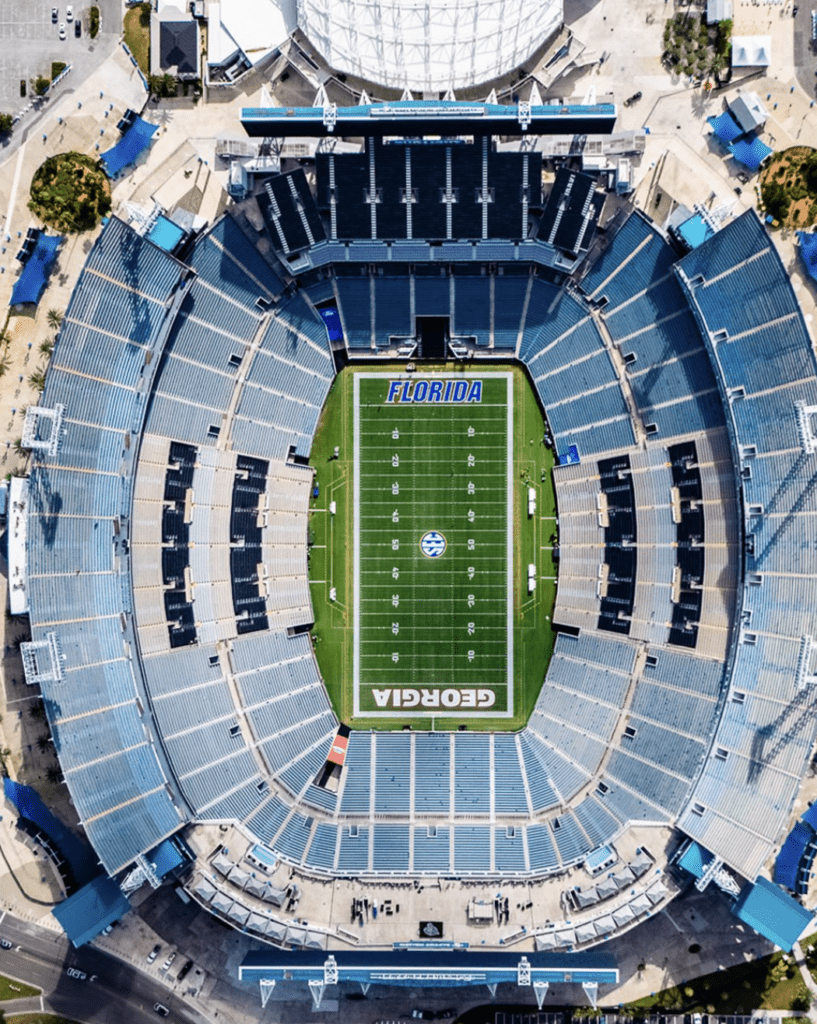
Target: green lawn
<point x="10" y="989"/>
<point x="40" y="1018"/>
<point x="429" y="480"/>
<point x="766" y="983"/>
<point x="137" y="35"/>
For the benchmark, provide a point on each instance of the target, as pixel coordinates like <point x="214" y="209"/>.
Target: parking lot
<point x="29" y="42"/>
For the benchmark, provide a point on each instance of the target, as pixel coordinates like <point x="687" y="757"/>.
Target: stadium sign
<point x="450" y="697"/>
<point x="424" y="391"/>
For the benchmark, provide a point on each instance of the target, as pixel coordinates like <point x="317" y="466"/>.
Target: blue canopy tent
<point x="808" y="254"/>
<point x="750" y="152"/>
<point x="725" y="127"/>
<point x="30" y="284"/>
<point x="135" y="139"/>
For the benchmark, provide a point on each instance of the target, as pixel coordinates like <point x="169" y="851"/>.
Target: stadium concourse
<point x="166" y="570"/>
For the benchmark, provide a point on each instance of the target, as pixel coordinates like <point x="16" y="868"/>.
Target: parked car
<point x="153" y="954"/>
<point x="636" y="96"/>
<point x="77" y="28"/>
<point x="423" y="1014"/>
<point x="168" y="962"/>
<point x="55" y="15"/>
<point x="72" y="972"/>
<point x="184" y="971"/>
<point x="161" y="1010"/>
<point x="62" y="30"/>
<point x="449" y="1011"/>
<point x="69" y="13"/>
<point x="5" y="944"/>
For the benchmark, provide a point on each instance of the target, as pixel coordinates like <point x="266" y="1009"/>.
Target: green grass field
<point x="433" y="628"/>
<point x="436" y="637"/>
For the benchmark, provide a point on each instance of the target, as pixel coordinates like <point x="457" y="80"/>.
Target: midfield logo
<point x="433" y="544"/>
<point x="424" y="391"/>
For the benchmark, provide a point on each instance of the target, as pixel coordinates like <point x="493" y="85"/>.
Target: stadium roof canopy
<point x="433" y="965"/>
<point x="428" y="44"/>
<point x="772" y="913"/>
<point x="135" y="139"/>
<point x="429" y="117"/>
<point x="94" y="907"/>
<point x="30" y="284"/>
<point x="750" y="152"/>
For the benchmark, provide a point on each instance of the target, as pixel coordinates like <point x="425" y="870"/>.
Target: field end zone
<point x="433" y="625"/>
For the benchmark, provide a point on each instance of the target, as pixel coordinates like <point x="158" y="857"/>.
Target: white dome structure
<point x="427" y="45"/>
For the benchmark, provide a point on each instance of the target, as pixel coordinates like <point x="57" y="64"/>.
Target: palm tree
<point x="53" y="774"/>
<point x="54" y="318"/>
<point x="5" y="362"/>
<point x="37" y="380"/>
<point x="37" y="710"/>
<point x="169" y="85"/>
<point x="42" y="743"/>
<point x="47" y="347"/>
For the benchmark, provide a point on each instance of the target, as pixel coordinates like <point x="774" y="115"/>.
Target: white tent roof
<point x="623" y="915"/>
<point x="257" y="26"/>
<point x="238" y="877"/>
<point x="751" y="51"/>
<point x="204" y="890"/>
<point x="585" y="933"/>
<point x="718" y="10"/>
<point x="546" y="941"/>
<point x="257" y="923"/>
<point x="238" y="912"/>
<point x="427" y="45"/>
<point x="223" y="864"/>
<point x="222" y="902"/>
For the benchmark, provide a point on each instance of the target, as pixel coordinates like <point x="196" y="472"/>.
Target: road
<point x="805" y="54"/>
<point x="118" y="994"/>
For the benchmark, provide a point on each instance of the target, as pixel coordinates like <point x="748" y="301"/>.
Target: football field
<point x="432" y="545"/>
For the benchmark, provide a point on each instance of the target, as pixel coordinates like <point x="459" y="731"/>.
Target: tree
<point x="54" y="775"/>
<point x="54" y="318"/>
<point x="6" y="123"/>
<point x="40" y="85"/>
<point x="5" y="362"/>
<point x="775" y="199"/>
<point x="37" y="380"/>
<point x="47" y="347"/>
<point x="37" y="710"/>
<point x="43" y="743"/>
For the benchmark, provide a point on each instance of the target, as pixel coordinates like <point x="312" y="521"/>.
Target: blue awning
<point x="695" y="231"/>
<point x="750" y="152"/>
<point x="808" y="254"/>
<point x="84" y="915"/>
<point x="772" y="913"/>
<point x="135" y="139"/>
<point x="695" y="859"/>
<point x="725" y="127"/>
<point x="32" y="281"/>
